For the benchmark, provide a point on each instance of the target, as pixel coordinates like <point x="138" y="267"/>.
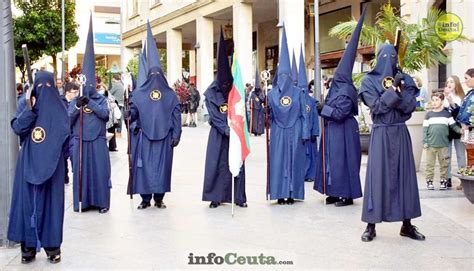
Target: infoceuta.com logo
<point x="233" y="258"/>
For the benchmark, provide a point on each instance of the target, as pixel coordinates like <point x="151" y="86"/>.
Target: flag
<point x="239" y="144"/>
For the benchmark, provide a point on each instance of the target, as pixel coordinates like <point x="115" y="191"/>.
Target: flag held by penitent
<point x="239" y="144"/>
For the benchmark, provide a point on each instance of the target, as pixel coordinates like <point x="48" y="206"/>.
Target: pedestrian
<point x="422" y="97"/>
<point x="118" y="92"/>
<point x="436" y="127"/>
<point x="454" y="95"/>
<point x="289" y="131"/>
<point x="194" y="98"/>
<point x="391" y="189"/>
<point x="257" y="109"/>
<point x="340" y="146"/>
<point x="37" y="207"/>
<point x="217" y="176"/>
<point x="71" y="90"/>
<point x="19" y="90"/>
<point x="156" y="111"/>
<point x="464" y="117"/>
<point x="95" y="162"/>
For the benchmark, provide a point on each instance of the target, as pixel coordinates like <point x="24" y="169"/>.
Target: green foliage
<point x="419" y="48"/>
<point x="102" y="73"/>
<point x="40" y="28"/>
<point x="132" y="66"/>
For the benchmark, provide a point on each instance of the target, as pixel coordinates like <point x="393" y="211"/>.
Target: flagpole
<point x="233" y="197"/>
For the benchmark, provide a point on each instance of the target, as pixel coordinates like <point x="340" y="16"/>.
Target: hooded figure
<point x="257" y="110"/>
<point x="341" y="142"/>
<point x="289" y="130"/>
<point x="312" y="120"/>
<point x="156" y="110"/>
<point x="391" y="190"/>
<point x="37" y="209"/>
<point x="217" y="176"/>
<point x="96" y="181"/>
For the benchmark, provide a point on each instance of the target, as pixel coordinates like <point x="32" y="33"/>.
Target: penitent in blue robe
<point x="391" y="190"/>
<point x="37" y="209"/>
<point x="257" y="113"/>
<point x="311" y="147"/>
<point x="217" y="176"/>
<point x="96" y="182"/>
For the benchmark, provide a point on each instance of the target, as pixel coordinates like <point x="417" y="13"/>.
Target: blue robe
<point x="287" y="148"/>
<point x="257" y="113"/>
<point x="311" y="147"/>
<point x="96" y="182"/>
<point x="217" y="176"/>
<point x="391" y="190"/>
<point x="342" y="151"/>
<point x="152" y="157"/>
<point x="37" y="207"/>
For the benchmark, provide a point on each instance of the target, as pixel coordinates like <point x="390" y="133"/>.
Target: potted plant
<point x="466" y="175"/>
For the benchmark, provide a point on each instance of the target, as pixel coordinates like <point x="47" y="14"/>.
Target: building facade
<point x="191" y="28"/>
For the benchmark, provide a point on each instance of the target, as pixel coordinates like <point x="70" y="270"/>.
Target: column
<point x="71" y="58"/>
<point x="174" y="55"/>
<point x="205" y="52"/>
<point x="291" y="13"/>
<point x="242" y="28"/>
<point x="192" y="63"/>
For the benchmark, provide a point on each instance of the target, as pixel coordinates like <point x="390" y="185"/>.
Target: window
<point x="133" y="8"/>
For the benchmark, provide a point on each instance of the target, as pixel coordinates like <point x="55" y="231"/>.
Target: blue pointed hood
<point x="284" y="66"/>
<point x="224" y="77"/>
<point x="88" y="65"/>
<point x="342" y="84"/>
<point x="142" y="67"/>
<point x="154" y="98"/>
<point x="152" y="55"/>
<point x="41" y="155"/>
<point x="294" y="70"/>
<point x="302" y="80"/>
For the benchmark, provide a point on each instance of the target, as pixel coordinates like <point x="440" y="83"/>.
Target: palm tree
<point x="419" y="47"/>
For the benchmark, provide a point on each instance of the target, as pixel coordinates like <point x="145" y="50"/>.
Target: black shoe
<point x="144" y="205"/>
<point x="185" y="125"/>
<point x="281" y="201"/>
<point x="290" y="201"/>
<point x="344" y="202"/>
<point x="54" y="258"/>
<point x="449" y="184"/>
<point x="27" y="259"/>
<point x="308" y="180"/>
<point x="160" y="204"/>
<point x="103" y="210"/>
<point x="369" y="234"/>
<point x="412" y="232"/>
<point x="243" y="205"/>
<point x="214" y="204"/>
<point x="113" y="150"/>
<point x="331" y="200"/>
<point x="66" y="179"/>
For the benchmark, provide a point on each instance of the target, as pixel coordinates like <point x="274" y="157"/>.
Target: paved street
<point x="310" y="234"/>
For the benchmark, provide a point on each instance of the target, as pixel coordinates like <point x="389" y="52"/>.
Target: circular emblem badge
<point x="38" y="135"/>
<point x="285" y="101"/>
<point x="86" y="109"/>
<point x="223" y="108"/>
<point x="308" y="108"/>
<point x="387" y="82"/>
<point x="155" y="95"/>
<point x="449" y="27"/>
<point x="257" y="99"/>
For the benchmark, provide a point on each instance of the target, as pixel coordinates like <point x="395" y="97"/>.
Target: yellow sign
<point x="38" y="135"/>
<point x="449" y="27"/>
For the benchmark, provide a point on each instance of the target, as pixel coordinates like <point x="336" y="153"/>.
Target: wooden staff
<point x="265" y="75"/>
<point x="81" y="78"/>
